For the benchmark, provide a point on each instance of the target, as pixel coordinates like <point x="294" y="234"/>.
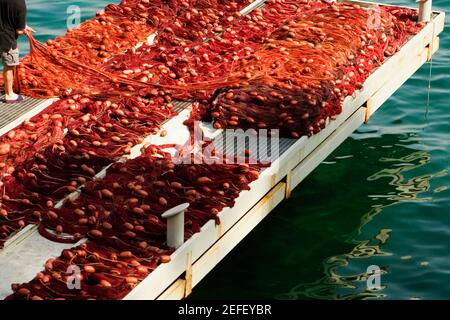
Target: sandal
<point x="19" y="99"/>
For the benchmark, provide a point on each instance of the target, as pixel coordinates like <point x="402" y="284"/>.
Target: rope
<point x="430" y="76"/>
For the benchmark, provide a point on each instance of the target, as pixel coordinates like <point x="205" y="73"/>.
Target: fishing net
<point x="121" y="214"/>
<point x="286" y="66"/>
<point x="299" y="77"/>
<point x="92" y="100"/>
<point x="69" y="62"/>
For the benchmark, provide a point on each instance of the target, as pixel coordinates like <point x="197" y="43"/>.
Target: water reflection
<point x="336" y="282"/>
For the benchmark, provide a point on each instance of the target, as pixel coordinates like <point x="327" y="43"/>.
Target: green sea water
<point x="382" y="198"/>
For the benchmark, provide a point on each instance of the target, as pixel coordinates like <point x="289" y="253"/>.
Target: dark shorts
<point x="11" y="58"/>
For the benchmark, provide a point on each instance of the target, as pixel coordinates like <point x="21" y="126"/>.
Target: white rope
<point x="430" y="74"/>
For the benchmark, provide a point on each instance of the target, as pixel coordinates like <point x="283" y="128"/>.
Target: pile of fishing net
<point x="298" y="78"/>
<point x="291" y="72"/>
<point x="286" y="66"/>
<point x="65" y="63"/>
<point x="98" y="133"/>
<point x="50" y="155"/>
<point x="121" y="214"/>
<point x="274" y="77"/>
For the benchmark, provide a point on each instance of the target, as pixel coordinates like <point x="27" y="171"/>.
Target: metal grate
<point x="12" y="115"/>
<point x="262" y="147"/>
<point x="179" y="106"/>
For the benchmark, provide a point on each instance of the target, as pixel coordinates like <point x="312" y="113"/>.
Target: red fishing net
<point x="286" y="66"/>
<point x="122" y="213"/>
<point x="79" y="135"/>
<point x="69" y="61"/>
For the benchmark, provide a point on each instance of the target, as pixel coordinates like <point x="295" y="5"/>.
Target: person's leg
<point x="8" y="79"/>
<point x="10" y="60"/>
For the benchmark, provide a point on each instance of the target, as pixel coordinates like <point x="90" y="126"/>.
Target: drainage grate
<point x="179" y="106"/>
<point x="263" y="148"/>
<point x="11" y="115"/>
